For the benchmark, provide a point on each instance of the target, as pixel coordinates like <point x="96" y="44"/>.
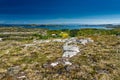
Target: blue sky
<point x="60" y="11"/>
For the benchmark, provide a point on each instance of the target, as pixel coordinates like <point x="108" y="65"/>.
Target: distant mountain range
<point x="55" y="25"/>
<point x="11" y="25"/>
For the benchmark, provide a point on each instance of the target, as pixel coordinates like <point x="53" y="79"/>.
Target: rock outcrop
<point x="1" y="39"/>
<point x="70" y="49"/>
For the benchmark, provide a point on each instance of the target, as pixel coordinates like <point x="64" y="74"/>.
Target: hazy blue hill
<point x="55" y="26"/>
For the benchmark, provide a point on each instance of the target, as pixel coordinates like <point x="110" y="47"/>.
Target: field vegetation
<point x="21" y="58"/>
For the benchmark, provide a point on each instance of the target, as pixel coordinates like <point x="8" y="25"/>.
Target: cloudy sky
<point x="60" y="11"/>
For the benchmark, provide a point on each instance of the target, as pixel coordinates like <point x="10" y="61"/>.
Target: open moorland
<point x="41" y="54"/>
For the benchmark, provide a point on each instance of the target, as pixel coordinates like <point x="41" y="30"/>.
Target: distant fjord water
<point x="58" y="27"/>
<point x="71" y="27"/>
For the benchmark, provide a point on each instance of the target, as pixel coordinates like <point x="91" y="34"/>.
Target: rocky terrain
<point x="89" y="57"/>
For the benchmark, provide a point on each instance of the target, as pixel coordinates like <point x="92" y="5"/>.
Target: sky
<point x="60" y="11"/>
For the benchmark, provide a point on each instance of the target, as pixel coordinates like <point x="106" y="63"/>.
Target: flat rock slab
<point x="69" y="54"/>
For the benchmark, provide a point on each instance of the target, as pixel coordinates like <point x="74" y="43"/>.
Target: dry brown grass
<point x="96" y="61"/>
